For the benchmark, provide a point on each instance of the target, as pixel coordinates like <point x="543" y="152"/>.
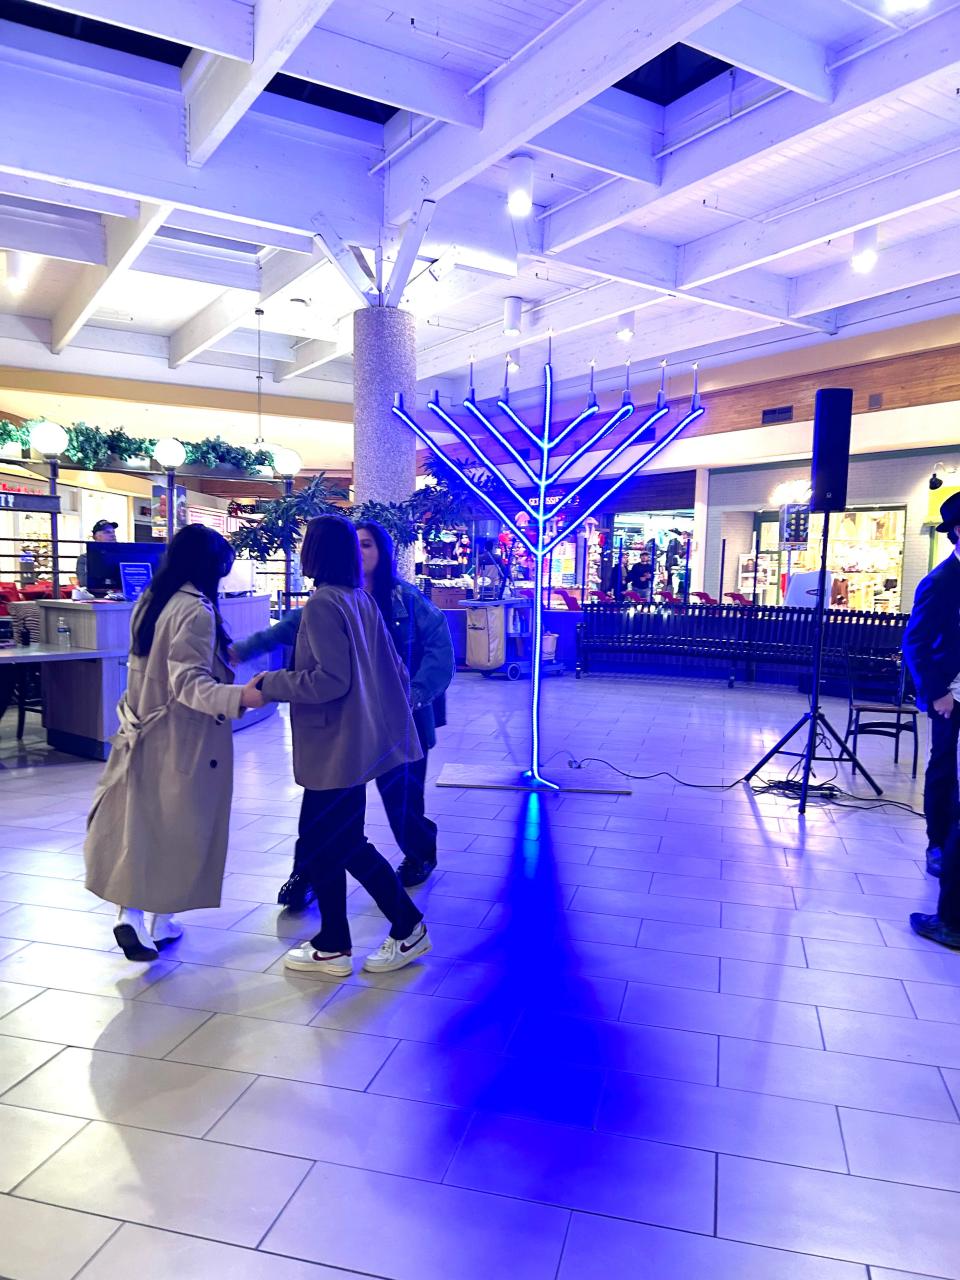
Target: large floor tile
<point x="181" y="1184"/>
<point x="899" y="1149"/>
<point x="858" y="1219"/>
<point x="47" y="891"/>
<point x="170" y="1096"/>
<point x="720" y="1119"/>
<point x="802" y="924"/>
<point x="843" y="1079"/>
<point x="604" y="1249"/>
<point x="408" y="1230"/>
<point x="567" y="1094"/>
<point x="18" y="1058"/>
<point x="405" y="1016"/>
<point x="934" y="964"/>
<point x="390" y="1135"/>
<point x="710" y="1011"/>
<point x="29" y="1138"/>
<point x="597" y="1172"/>
<point x="934" y="1002"/>
<point x="726" y="942"/>
<point x="312" y="1054"/>
<point x="646" y="906"/>
<point x="188" y="1258"/>
<point x="102" y="1022"/>
<point x="878" y="1036"/>
<point x="40" y="1242"/>
<point x="227" y="948"/>
<point x="15" y="994"/>
<point x="815" y="986"/>
<point x="276" y="997"/>
<point x="96" y="973"/>
<point x="88" y="929"/>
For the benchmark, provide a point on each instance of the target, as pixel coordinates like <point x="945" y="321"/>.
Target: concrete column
<point x="698" y="550"/>
<point x="384" y="362"/>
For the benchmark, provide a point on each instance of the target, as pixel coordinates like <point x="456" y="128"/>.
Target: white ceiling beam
<point x="756" y="43"/>
<point x="52" y="235"/>
<point x="344" y="261"/>
<point x="614" y="134"/>
<point x="183" y="261"/>
<point x="448" y="282"/>
<point x="220" y="96"/>
<point x="573" y="311"/>
<point x="317" y="352"/>
<point x="340" y="62"/>
<point x="413" y="235"/>
<point x="57" y="113"/>
<point x="235" y="310"/>
<point x="920" y="54"/>
<point x="652" y="264"/>
<point x="56" y="193"/>
<point x="244" y="232"/>
<point x="599" y="44"/>
<point x="900" y="266"/>
<point x="910" y="187"/>
<point x="126" y="238"/>
<point x="219" y="26"/>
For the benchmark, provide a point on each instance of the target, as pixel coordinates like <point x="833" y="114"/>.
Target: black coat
<point x="931" y="643"/>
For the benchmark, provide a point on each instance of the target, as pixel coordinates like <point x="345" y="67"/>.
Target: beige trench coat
<point x="158" y="829"/>
<point x="348" y="694"/>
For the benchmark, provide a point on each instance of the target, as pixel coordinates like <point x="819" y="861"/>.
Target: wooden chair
<point x="881" y="705"/>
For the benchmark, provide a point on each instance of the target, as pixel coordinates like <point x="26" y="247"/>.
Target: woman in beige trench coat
<point x="157" y="832"/>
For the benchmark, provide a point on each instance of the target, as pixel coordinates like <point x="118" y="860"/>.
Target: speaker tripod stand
<point x="815" y="722"/>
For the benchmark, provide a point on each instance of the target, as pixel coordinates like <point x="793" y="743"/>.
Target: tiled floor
<point x="675" y="1034"/>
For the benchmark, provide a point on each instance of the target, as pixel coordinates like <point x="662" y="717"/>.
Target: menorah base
<point x="502" y="777"/>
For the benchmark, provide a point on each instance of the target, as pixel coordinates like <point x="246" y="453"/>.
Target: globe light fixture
<point x="48" y="438"/>
<point x="286" y="462"/>
<point x="520" y="185"/>
<point x="169" y="453"/>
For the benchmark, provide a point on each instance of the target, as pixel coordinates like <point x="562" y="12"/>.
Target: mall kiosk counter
<point x="83" y="682"/>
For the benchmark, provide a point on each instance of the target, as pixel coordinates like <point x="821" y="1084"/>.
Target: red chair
<point x="668" y="597"/>
<point x="704" y="597"/>
<point x="569" y="599"/>
<point x="738" y="598"/>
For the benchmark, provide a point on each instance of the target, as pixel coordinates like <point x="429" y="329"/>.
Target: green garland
<point x="12" y="434"/>
<point x="218" y="453"/>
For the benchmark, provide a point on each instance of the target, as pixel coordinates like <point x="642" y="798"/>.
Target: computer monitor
<point x="125" y="567"/>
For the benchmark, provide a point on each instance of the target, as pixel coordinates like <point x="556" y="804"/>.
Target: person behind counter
<point x="351" y="718"/>
<point x="422" y="639"/>
<point x="103" y="531"/>
<point x="157" y="831"/>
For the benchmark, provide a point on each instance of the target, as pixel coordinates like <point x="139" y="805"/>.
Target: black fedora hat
<point x="949" y="514"/>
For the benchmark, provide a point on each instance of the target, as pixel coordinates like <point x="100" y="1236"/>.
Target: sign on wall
<point x="794" y="526"/>
<point x="38" y="502"/>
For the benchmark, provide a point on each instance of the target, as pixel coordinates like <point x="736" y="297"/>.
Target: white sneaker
<point x="133" y="937"/>
<point x="165" y="930"/>
<point x="395" y="953"/>
<point x="304" y="959"/>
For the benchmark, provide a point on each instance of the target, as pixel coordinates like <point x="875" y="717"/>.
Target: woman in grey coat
<point x="157" y="832"/>
<point x="350" y="712"/>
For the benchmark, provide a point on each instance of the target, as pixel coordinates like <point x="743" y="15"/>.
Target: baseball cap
<point x="104" y="524"/>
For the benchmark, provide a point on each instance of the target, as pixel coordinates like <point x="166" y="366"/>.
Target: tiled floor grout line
<point x="50" y="1156"/>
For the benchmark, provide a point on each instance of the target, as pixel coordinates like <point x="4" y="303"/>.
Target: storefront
<point x="653" y="551"/>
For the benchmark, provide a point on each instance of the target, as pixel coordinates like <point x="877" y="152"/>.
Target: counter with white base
<point x="83" y="684"/>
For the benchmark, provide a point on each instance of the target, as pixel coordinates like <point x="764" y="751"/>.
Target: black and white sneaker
<point x="396" y="953"/>
<point x="133" y="938"/>
<point x="413" y="872"/>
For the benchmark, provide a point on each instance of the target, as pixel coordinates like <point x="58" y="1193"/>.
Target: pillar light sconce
<point x="512" y="317"/>
<point x="286" y="462"/>
<point x="170" y="454"/>
<point x="520" y="185"/>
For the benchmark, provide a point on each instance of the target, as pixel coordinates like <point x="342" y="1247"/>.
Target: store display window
<point x="864" y="558"/>
<point x="651" y="551"/>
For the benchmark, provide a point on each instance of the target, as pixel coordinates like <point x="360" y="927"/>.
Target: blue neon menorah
<point x="543" y="477"/>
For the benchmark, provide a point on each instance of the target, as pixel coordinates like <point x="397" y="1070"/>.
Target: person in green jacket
<point x="422" y="639"/>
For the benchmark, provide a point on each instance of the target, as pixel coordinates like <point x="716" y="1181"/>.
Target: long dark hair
<point x="197" y="555"/>
<point x="385" y="574"/>
<point x="331" y="553"/>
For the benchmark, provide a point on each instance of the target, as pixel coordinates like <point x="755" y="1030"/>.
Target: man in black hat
<point x="931" y="647"/>
<point x="103" y="531"/>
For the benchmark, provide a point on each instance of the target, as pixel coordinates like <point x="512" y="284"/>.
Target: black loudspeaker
<point x="831" y="449"/>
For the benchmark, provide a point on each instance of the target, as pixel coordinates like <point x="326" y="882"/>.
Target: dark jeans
<point x="940" y="792"/>
<point x="331" y="842"/>
<point x="402" y="792"/>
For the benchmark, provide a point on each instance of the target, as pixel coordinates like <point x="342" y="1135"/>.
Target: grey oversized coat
<point x="157" y="831"/>
<point x="348" y="694"/>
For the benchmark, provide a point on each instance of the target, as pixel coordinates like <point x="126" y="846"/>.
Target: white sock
<point x="161" y="922"/>
<point x="132" y="916"/>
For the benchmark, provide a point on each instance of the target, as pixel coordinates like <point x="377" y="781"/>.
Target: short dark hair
<point x="331" y="552"/>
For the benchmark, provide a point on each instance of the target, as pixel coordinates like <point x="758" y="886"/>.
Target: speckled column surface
<point x="384" y="362"/>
